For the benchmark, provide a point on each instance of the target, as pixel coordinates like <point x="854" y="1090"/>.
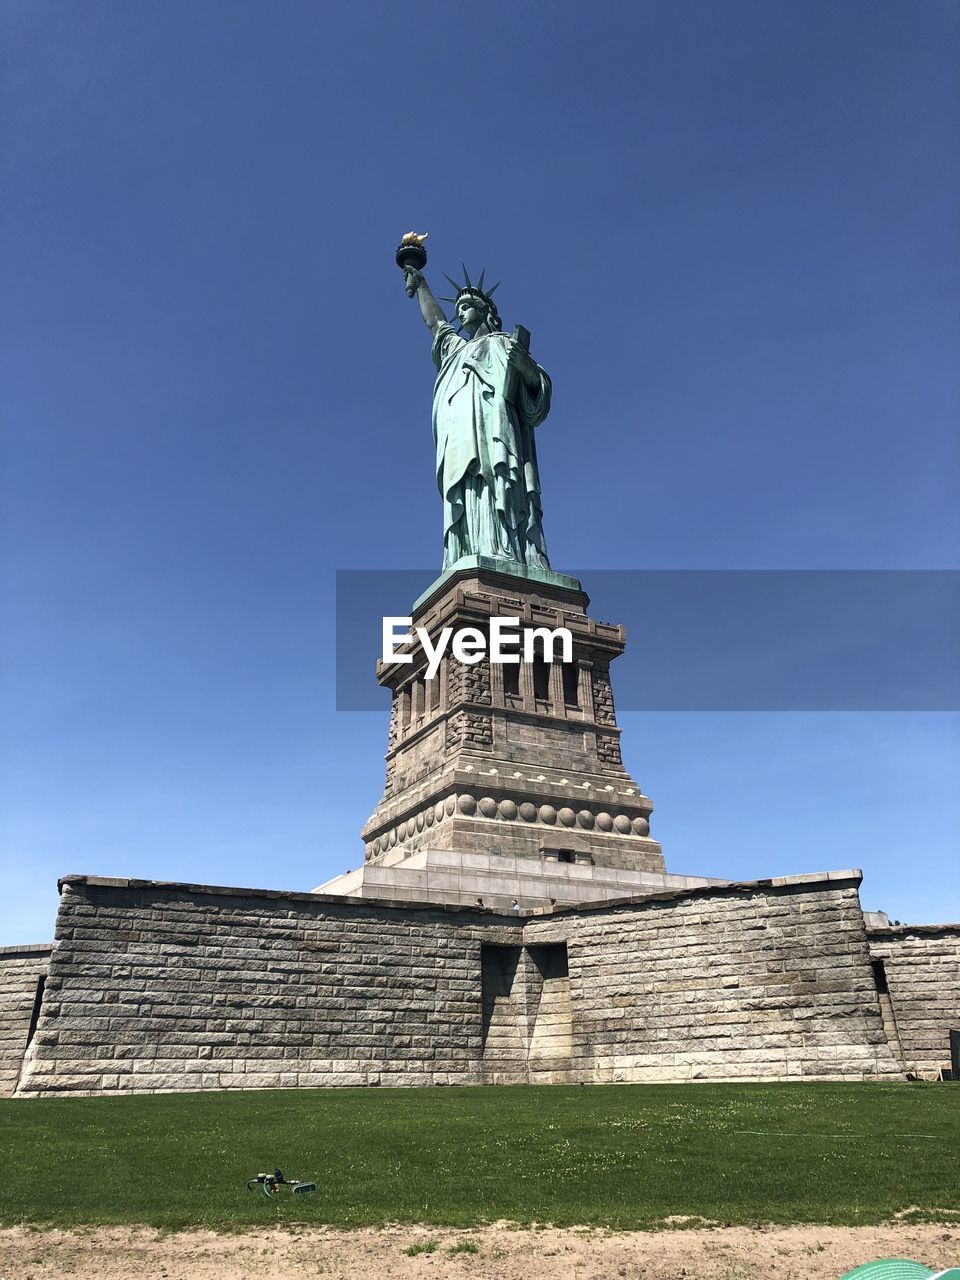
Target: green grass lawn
<point x="617" y="1156"/>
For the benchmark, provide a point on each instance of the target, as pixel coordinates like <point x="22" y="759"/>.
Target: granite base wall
<point x="22" y="970"/>
<point x="157" y="987"/>
<point x="771" y="982"/>
<point x="921" y="968"/>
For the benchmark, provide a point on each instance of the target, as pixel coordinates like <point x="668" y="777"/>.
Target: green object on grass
<point x="889" y="1269"/>
<point x="898" y="1269"/>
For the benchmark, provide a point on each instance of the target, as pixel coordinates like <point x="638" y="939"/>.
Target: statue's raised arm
<point x="430" y="308"/>
<point x="411" y="256"/>
<point x="488" y="397"/>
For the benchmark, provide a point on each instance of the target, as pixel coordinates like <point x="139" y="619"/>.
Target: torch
<point x="411" y="255"/>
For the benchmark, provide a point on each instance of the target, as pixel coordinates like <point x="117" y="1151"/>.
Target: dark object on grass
<point x="270" y="1184"/>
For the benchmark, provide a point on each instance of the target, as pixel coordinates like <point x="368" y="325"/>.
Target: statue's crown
<point x="470" y="290"/>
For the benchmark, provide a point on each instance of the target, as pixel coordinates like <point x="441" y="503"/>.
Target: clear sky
<point x="731" y="229"/>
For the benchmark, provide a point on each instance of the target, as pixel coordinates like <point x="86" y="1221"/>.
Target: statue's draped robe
<point x="486" y="455"/>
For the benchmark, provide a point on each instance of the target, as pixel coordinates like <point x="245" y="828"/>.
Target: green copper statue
<point x="489" y="396"/>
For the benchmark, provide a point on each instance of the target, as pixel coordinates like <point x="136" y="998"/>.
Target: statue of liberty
<point x="488" y="398"/>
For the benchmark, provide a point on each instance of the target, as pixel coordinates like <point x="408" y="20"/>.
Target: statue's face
<point x="468" y="315"/>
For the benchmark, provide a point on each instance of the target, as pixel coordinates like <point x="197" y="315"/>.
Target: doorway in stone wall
<point x="551" y="1033"/>
<point x="526" y="1016"/>
<point x="504" y="1014"/>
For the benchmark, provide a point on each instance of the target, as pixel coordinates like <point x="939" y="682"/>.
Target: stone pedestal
<point x="519" y="760"/>
<point x="499" y="879"/>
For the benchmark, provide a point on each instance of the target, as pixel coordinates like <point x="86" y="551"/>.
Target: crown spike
<point x="465" y="276"/>
<point x="491" y="292"/>
<point x="455" y="284"/>
<point x="480" y="281"/>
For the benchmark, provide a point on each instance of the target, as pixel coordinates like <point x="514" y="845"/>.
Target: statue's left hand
<point x="525" y="367"/>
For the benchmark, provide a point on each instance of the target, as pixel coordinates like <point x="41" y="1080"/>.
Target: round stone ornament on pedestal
<point x="604" y="822"/>
<point x="585" y="819"/>
<point x="488" y="807"/>
<point x="621" y="823"/>
<point x="567" y="817"/>
<point x="508" y="810"/>
<point x="548" y="814"/>
<point x="467" y="804"/>
<point x="528" y="811"/>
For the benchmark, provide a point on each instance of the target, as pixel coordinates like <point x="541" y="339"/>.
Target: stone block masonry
<point x="498" y="759"/>
<point x="917" y="969"/>
<point x="762" y="981"/>
<point x="157" y="987"/>
<point x="22" y="976"/>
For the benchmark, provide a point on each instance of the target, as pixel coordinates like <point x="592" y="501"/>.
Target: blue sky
<point x="731" y="231"/>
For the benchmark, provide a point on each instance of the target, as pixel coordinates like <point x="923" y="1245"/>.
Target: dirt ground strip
<point x="501" y="1252"/>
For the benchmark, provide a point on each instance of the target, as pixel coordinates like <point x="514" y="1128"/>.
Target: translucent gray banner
<point x="725" y="640"/>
